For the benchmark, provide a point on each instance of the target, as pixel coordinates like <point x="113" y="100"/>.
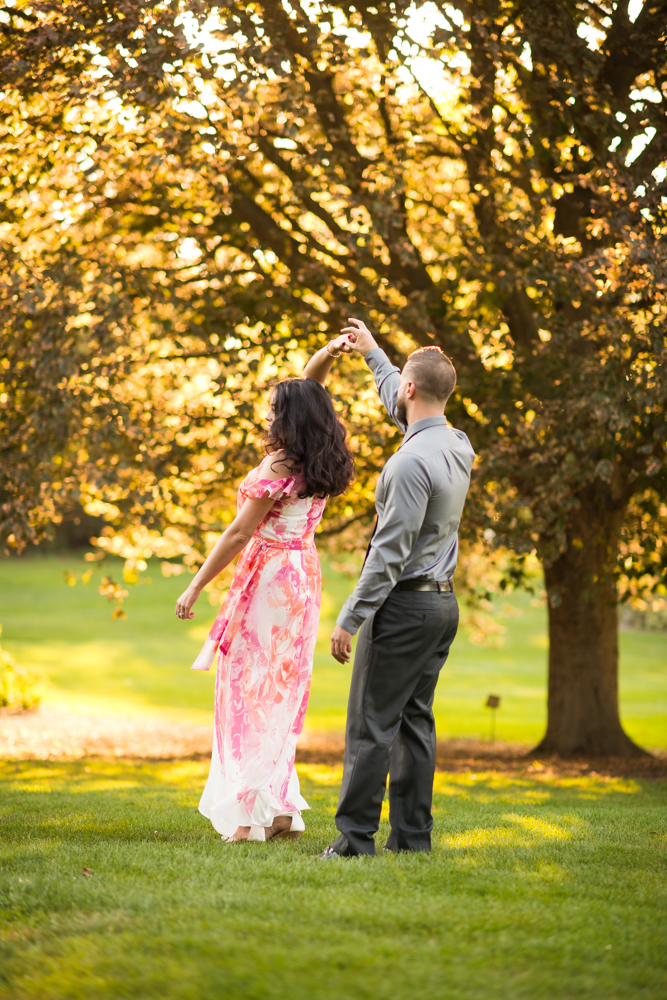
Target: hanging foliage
<point x="196" y="195"/>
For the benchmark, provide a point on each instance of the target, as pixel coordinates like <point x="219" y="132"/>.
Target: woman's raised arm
<point x="320" y="364"/>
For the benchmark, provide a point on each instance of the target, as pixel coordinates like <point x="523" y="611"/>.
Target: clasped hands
<point x="354" y="338"/>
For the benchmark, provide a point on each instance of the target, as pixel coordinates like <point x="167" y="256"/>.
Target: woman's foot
<point x="241" y="833"/>
<point x="281" y="827"/>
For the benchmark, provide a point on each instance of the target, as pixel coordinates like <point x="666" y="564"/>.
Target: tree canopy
<point x="196" y="193"/>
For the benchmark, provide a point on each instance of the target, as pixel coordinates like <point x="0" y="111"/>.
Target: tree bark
<point x="583" y="716"/>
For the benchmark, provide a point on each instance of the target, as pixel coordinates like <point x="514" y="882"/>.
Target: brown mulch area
<point x="454" y="756"/>
<point x="55" y="733"/>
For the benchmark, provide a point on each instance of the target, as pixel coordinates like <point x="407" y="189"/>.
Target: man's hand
<point x="359" y="336"/>
<point x="341" y="644"/>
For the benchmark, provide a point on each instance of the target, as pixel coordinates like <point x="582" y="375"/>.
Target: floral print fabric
<point x="264" y="639"/>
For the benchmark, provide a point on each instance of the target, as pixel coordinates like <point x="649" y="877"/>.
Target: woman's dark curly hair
<point x="305" y="427"/>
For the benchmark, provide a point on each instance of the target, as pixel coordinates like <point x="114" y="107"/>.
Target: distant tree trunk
<point x="583" y="715"/>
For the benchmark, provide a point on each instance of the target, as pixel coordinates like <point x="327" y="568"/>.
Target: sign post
<point x="493" y="702"/>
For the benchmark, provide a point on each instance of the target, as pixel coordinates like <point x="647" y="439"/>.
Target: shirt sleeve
<point x="386" y="379"/>
<point x="407" y="492"/>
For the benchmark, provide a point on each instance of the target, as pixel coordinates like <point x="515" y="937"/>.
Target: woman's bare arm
<point x="320" y="364"/>
<point x="236" y="536"/>
<point x="231" y="541"/>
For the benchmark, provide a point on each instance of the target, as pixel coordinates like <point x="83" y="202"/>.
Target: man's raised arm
<point x="386" y="375"/>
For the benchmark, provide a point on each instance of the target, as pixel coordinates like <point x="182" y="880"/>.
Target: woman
<point x="265" y="633"/>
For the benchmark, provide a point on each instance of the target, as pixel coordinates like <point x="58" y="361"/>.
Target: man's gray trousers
<point x="390" y="727"/>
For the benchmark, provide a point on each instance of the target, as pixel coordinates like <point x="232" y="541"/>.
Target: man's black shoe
<point x="328" y="854"/>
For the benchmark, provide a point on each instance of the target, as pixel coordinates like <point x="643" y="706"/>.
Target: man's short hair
<point x="432" y="372"/>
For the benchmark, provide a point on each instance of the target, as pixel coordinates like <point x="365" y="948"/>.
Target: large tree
<point x="208" y="184"/>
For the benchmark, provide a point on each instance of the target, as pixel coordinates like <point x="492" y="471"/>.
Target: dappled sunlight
<point x="483" y="787"/>
<point x="540" y="829"/>
<point x="320" y="774"/>
<point x="518" y="831"/>
<point x="543" y="871"/>
<point x="600" y="785"/>
<point x="494" y="786"/>
<point x="491" y="786"/>
<point x="101" y="775"/>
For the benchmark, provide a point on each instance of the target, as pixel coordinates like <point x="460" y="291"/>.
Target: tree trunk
<point x="583" y="713"/>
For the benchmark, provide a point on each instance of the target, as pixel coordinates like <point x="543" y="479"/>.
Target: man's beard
<point x="401" y="412"/>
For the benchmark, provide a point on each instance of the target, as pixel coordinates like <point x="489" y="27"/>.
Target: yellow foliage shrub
<point x="18" y="686"/>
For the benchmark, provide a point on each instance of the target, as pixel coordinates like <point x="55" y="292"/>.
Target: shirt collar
<point x="421" y="425"/>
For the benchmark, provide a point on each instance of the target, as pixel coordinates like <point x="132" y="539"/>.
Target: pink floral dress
<point x="264" y="638"/>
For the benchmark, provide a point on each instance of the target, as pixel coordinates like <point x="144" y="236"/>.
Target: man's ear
<point x="410" y="389"/>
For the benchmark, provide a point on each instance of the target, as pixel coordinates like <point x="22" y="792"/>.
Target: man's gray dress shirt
<point x="419" y="501"/>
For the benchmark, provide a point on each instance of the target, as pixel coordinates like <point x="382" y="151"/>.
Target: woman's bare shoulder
<point x="275" y="466"/>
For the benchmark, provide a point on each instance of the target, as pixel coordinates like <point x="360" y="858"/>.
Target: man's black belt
<point x="442" y="586"/>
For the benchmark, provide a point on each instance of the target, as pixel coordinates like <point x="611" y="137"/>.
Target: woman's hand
<point x="359" y="336"/>
<point x="342" y="345"/>
<point x="186" y="602"/>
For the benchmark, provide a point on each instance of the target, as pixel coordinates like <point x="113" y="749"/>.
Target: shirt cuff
<point x="349" y="621"/>
<point x="374" y="357"/>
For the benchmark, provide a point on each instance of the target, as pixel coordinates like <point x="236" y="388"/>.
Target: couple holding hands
<point x="403" y="608"/>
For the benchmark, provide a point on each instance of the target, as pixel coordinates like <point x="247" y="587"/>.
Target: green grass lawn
<point x="535" y="888"/>
<point x="142" y="663"/>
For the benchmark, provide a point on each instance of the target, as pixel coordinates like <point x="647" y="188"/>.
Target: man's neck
<point x="420" y="411"/>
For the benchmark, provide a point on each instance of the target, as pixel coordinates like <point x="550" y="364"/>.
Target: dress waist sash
<point x="233" y="609"/>
<point x="278" y="543"/>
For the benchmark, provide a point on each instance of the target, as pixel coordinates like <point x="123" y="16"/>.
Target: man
<point x="404" y="606"/>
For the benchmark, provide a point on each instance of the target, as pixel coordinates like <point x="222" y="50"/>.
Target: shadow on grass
<point x="156" y="802"/>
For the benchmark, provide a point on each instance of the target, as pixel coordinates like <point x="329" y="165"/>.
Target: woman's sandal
<point x="281" y="827"/>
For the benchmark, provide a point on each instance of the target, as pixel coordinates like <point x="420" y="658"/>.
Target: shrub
<point x="18" y="686"/>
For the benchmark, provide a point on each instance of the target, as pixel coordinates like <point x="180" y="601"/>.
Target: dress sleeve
<point x="276" y="488"/>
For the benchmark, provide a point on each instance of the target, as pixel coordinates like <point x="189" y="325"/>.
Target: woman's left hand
<point x="186" y="602"/>
<point x="343" y="343"/>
